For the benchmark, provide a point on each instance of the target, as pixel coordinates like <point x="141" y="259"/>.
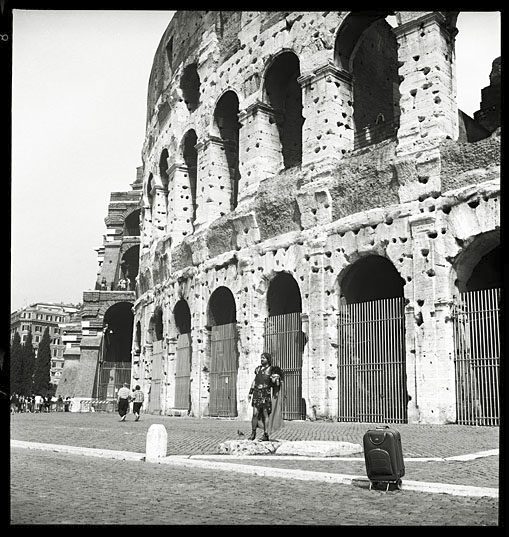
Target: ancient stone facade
<point x="301" y="162"/>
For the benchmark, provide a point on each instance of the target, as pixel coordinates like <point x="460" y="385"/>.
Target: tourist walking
<point x="123" y="398"/>
<point x="138" y="397"/>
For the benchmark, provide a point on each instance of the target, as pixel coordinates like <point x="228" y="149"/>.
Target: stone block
<point x="157" y="442"/>
<point x="318" y="448"/>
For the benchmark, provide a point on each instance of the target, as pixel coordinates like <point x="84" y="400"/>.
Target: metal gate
<point x="371" y="362"/>
<point x="477" y="357"/>
<point x="223" y="371"/>
<point x="183" y="372"/>
<point x="284" y="339"/>
<point x="112" y="376"/>
<point x="154" y="399"/>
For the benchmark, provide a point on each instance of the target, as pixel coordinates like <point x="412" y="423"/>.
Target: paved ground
<point x="51" y="487"/>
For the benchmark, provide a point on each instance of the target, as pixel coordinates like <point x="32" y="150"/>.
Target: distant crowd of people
<point x="39" y="403"/>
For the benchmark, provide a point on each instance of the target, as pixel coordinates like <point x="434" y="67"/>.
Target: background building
<point x="36" y="318"/>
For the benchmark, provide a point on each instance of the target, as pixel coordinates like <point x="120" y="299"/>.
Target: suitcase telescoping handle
<point x="382" y="427"/>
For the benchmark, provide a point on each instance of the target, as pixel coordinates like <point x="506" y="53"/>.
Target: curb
<point x="263" y="471"/>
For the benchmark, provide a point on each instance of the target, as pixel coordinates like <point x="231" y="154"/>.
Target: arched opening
<point x="150" y="190"/>
<point x="182" y="316"/>
<point x="190" y="156"/>
<point x="227" y="123"/>
<point x="222" y="308"/>
<point x="476" y="322"/>
<point x="158" y="324"/>
<point x="283" y="93"/>
<point x="285" y="340"/>
<point x="129" y="266"/>
<point x="118" y="333"/>
<point x="372" y="385"/>
<point x="132" y="224"/>
<point x="224" y="360"/>
<point x="163" y="169"/>
<point x="114" y="366"/>
<point x="371" y="278"/>
<point x="366" y="47"/>
<point x="283" y="295"/>
<point x="183" y="356"/>
<point x="190" y="86"/>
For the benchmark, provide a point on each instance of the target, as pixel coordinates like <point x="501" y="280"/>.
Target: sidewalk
<point x="451" y="459"/>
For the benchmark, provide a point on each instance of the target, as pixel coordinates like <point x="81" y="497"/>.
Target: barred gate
<point x="223" y="371"/>
<point x="112" y="376"/>
<point x="477" y="357"/>
<point x="154" y="398"/>
<point x="284" y="339"/>
<point x="371" y="362"/>
<point x="183" y="372"/>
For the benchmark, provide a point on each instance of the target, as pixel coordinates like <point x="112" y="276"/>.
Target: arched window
<point x="227" y="123"/>
<point x="190" y="85"/>
<point x="366" y="47"/>
<point x="283" y="93"/>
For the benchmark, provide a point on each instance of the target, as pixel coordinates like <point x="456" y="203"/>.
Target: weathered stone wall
<point x="417" y="199"/>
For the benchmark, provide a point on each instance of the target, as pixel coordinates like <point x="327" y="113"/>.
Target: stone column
<point x="180" y="203"/>
<point x="213" y="196"/>
<point x="146" y="228"/>
<point x="433" y="371"/>
<point x="429" y="111"/>
<point x="159" y="217"/>
<point x="259" y="147"/>
<point x="327" y="107"/>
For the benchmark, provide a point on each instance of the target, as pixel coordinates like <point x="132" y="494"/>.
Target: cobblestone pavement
<point x="55" y="488"/>
<point x="49" y="487"/>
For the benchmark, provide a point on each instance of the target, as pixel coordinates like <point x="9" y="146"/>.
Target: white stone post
<point x="157" y="443"/>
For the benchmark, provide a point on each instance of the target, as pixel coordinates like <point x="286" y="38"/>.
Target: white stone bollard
<point x="157" y="442"/>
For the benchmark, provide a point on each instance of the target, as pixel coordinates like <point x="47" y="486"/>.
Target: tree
<point x="42" y="368"/>
<point x="16" y="364"/>
<point x="28" y="359"/>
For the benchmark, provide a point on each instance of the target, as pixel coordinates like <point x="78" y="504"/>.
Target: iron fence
<point x="371" y="362"/>
<point x="284" y="339"/>
<point x="477" y="357"/>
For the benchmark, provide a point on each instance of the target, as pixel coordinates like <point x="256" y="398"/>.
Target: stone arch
<point x="150" y="190"/>
<point x="478" y="266"/>
<point x="227" y="127"/>
<point x="157" y="323"/>
<point x="221" y="307"/>
<point x="283" y="295"/>
<point x="366" y="48"/>
<point x="118" y="320"/>
<point x="190" y="86"/>
<point x="182" y="316"/>
<point x="281" y="90"/>
<point x="371" y="277"/>
<point x="163" y="169"/>
<point x="131" y="220"/>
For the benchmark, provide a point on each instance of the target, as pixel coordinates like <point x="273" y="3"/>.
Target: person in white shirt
<point x="138" y="398"/>
<point x="123" y="398"/>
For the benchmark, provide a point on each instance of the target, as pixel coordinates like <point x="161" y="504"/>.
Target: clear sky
<point x="79" y="93"/>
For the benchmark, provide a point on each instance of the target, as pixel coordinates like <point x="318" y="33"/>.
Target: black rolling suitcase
<point x="383" y="455"/>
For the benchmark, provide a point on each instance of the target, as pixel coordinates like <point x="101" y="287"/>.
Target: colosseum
<point x="310" y="188"/>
